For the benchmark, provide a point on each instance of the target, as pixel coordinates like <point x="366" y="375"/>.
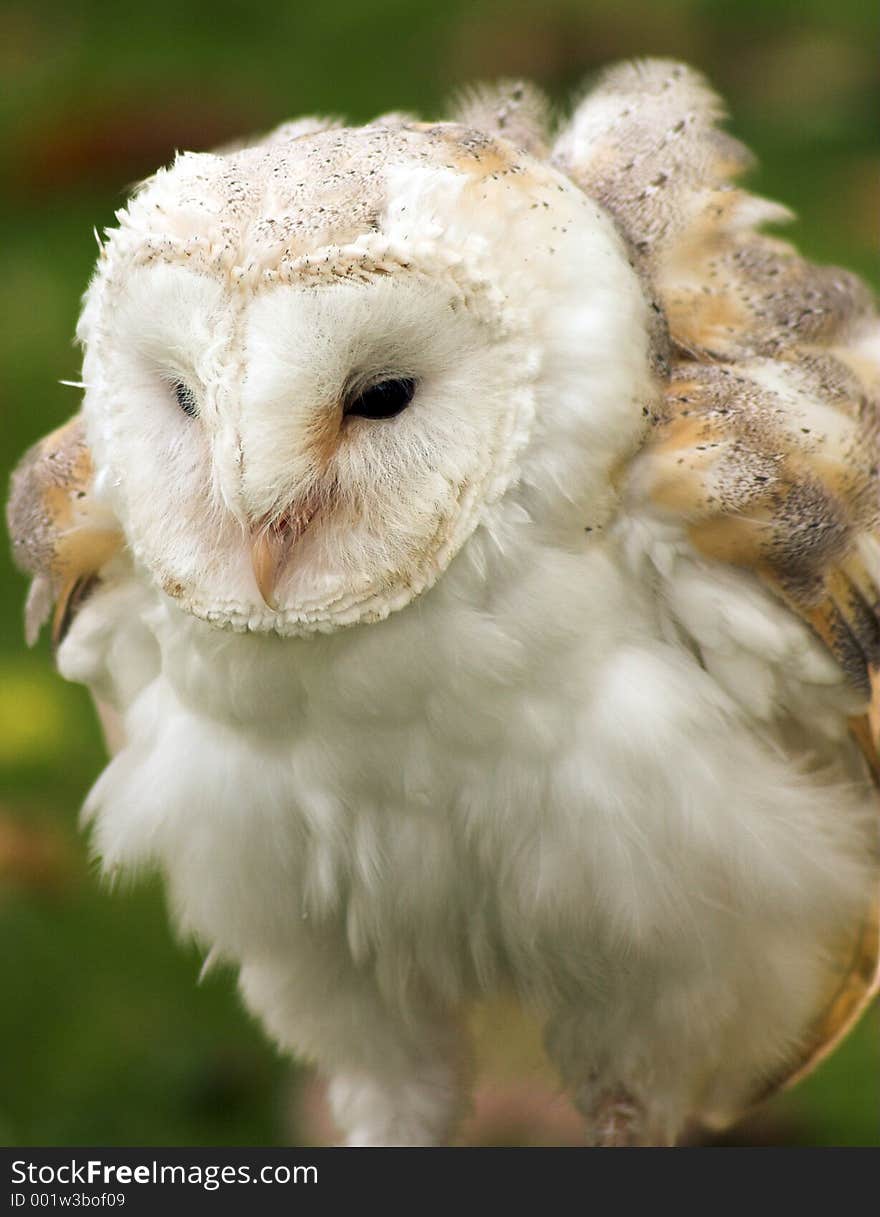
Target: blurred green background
<point x="106" y="1037"/>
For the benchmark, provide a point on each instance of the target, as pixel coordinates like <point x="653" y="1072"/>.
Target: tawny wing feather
<point x="767" y="450"/>
<point x="61" y="534"/>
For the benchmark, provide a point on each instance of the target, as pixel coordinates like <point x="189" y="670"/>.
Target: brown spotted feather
<point x="767" y="449"/>
<point x="61" y="535"/>
<point x="513" y="109"/>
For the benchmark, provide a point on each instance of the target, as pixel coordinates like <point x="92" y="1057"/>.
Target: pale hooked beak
<point x="271" y="547"/>
<point x="268" y="549"/>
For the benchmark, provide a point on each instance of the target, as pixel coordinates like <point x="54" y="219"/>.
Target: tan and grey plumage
<point x="60" y="535"/>
<point x="756" y="464"/>
<point x="768" y="448"/>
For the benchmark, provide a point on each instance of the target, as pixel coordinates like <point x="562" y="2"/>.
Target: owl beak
<point x="271" y="546"/>
<point x="269" y="549"/>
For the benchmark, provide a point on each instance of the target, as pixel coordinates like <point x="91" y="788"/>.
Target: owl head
<point x="316" y="366"/>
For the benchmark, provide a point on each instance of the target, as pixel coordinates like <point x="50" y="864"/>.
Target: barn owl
<point x="474" y="529"/>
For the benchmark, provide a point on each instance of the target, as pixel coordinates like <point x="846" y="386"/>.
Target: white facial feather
<point x="210" y="284"/>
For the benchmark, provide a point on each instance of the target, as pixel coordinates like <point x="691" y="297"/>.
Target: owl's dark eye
<point x="383" y="400"/>
<point x="186" y="399"/>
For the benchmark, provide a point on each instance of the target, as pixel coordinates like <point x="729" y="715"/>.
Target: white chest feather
<point x="510" y="782"/>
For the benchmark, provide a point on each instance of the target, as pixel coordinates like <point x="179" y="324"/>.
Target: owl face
<point x="316" y="366"/>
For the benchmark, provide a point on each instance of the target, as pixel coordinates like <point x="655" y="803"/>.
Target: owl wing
<point x="766" y="450"/>
<point x="62" y="535"/>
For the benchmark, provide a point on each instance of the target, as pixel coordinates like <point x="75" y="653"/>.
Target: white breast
<point x="515" y="779"/>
